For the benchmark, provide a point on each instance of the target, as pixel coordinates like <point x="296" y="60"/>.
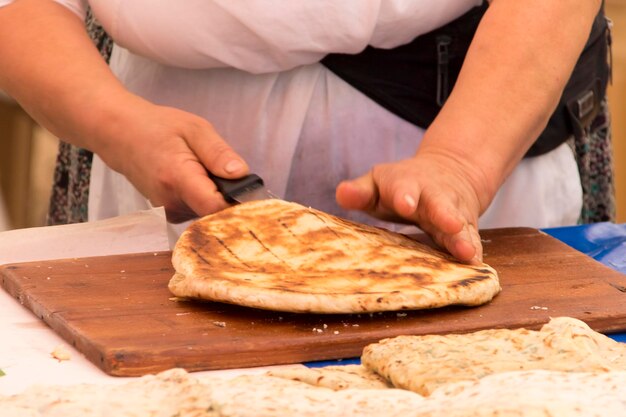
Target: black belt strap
<point x="413" y="80"/>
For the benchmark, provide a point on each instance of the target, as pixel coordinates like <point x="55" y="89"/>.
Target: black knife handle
<point x="230" y="189"/>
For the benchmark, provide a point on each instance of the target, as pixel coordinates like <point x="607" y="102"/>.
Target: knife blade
<point x="249" y="188"/>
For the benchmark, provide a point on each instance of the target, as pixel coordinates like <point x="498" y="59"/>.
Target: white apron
<point x="250" y="68"/>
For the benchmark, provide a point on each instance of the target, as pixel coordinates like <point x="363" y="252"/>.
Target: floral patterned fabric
<point x="70" y="189"/>
<point x="594" y="155"/>
<point x="70" y="193"/>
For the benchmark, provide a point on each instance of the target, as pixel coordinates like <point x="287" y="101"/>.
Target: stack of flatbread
<point x="425" y="363"/>
<point x="565" y="369"/>
<point x="276" y="255"/>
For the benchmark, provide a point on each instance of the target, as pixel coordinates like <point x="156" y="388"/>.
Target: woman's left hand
<point x="432" y="191"/>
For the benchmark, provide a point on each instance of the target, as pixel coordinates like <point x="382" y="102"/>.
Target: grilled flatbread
<point x="424" y="363"/>
<point x="276" y="255"/>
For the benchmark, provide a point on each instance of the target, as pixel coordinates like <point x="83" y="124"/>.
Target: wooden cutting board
<point x="118" y="312"/>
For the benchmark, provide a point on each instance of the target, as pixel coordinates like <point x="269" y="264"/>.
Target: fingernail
<point x="233" y="166"/>
<point x="410" y="201"/>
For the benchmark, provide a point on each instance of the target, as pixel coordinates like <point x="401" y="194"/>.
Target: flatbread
<point x="424" y="363"/>
<point x="176" y="393"/>
<point x="334" y="377"/>
<point x="536" y="393"/>
<point x="276" y="255"/>
<point x="171" y="393"/>
<point x="266" y="396"/>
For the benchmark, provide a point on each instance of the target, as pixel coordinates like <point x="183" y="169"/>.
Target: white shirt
<point x="250" y="68"/>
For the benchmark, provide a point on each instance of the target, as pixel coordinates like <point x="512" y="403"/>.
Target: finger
<point x="198" y="192"/>
<point x="450" y="229"/>
<point x="358" y="194"/>
<point x="458" y="245"/>
<point x="399" y="192"/>
<point x="462" y="247"/>
<point x="478" y="245"/>
<point x="405" y="203"/>
<point x="444" y="216"/>
<point x="214" y="153"/>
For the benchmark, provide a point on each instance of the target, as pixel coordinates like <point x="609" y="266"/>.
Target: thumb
<point x="358" y="194"/>
<point x="215" y="153"/>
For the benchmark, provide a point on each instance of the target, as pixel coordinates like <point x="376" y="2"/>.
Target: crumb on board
<point x="219" y="323"/>
<point x="61" y="353"/>
<point x="538" y="308"/>
<point x="401" y="314"/>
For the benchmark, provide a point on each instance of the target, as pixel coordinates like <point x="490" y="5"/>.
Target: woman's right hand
<point x="62" y="81"/>
<point x="166" y="153"/>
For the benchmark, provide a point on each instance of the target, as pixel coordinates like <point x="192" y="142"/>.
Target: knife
<point x="249" y="188"/>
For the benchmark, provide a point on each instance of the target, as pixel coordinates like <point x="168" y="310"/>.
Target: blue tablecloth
<point x="605" y="242"/>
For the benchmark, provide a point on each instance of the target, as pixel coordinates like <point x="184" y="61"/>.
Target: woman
<point x="225" y="87"/>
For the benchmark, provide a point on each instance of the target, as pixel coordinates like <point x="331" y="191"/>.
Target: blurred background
<point x="616" y="11"/>
<point x="28" y="152"/>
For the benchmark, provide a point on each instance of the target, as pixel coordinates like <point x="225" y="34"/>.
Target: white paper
<point x="143" y="231"/>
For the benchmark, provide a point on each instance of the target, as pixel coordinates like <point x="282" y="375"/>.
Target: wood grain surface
<point x="118" y="311"/>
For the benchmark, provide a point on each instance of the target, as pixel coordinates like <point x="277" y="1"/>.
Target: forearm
<point x="514" y="73"/>
<point x="50" y="66"/>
